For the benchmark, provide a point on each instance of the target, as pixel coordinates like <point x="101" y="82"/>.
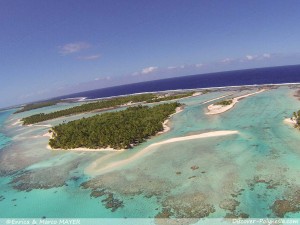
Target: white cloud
<point x="149" y="69"/>
<point x="171" y="67"/>
<point x="145" y="71"/>
<point x="199" y="65"/>
<point x="258" y="57"/>
<point x="227" y="60"/>
<point x="250" y="57"/>
<point x="71" y="48"/>
<point x="103" y="78"/>
<point x="267" y="55"/>
<point x="89" y="57"/>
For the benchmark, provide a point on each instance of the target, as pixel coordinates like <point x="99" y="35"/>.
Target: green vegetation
<point x="37" y="105"/>
<point x="205" y="91"/>
<point x="296" y="118"/>
<point x="118" y="130"/>
<point x="171" y="97"/>
<point x="224" y="102"/>
<point x="87" y="108"/>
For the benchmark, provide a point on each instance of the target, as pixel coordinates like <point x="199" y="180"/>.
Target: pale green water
<point x="255" y="167"/>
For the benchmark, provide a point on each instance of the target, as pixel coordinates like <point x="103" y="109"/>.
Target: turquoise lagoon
<point x="236" y="175"/>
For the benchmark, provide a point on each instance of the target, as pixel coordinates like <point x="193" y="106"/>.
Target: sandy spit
<point x="95" y="167"/>
<point x="217" y="109"/>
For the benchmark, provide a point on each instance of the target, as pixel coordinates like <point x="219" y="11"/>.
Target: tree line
<point x="118" y="130"/>
<point x="296" y="118"/>
<point x="37" y="105"/>
<point x="224" y="102"/>
<point x="87" y="108"/>
<point x="171" y="97"/>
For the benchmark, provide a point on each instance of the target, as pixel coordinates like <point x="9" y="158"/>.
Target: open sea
<point x="270" y="75"/>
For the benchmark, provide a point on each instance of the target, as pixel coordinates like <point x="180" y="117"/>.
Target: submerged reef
<point x="120" y="183"/>
<point x="44" y="178"/>
<point x="189" y="205"/>
<point x="229" y="204"/>
<point x="290" y="204"/>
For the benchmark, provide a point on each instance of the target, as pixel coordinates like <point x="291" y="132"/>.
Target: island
<point x="169" y="97"/>
<point x="37" y="105"/>
<point x="225" y="105"/>
<point x="106" y="104"/>
<point x="87" y="107"/>
<point x="224" y="102"/>
<point x="294" y="120"/>
<point x="117" y="130"/>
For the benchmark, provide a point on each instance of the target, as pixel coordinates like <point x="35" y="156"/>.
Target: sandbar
<point x="290" y="121"/>
<point x="223" y="96"/>
<point x="95" y="167"/>
<point x="217" y="109"/>
<point x="18" y="122"/>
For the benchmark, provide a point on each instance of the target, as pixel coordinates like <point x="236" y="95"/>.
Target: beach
<point x="217" y="109"/>
<point x="94" y="167"/>
<point x="166" y="128"/>
<point x="242" y="162"/>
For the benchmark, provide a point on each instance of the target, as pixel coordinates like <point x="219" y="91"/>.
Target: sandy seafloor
<point x="238" y="174"/>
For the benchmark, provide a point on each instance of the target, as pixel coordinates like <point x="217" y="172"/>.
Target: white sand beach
<point x="86" y="149"/>
<point x="79" y="149"/>
<point x="165" y="126"/>
<point x="95" y="167"/>
<point x="47" y="135"/>
<point x="39" y="125"/>
<point x="217" y="109"/>
<point x="18" y="122"/>
<point x="165" y="123"/>
<point x="290" y="121"/>
<point x="223" y="96"/>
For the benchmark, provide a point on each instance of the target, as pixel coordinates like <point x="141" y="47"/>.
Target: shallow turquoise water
<point x="237" y="167"/>
<point x="4" y="140"/>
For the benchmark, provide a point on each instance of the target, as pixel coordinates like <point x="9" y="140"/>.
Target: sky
<point x="55" y="47"/>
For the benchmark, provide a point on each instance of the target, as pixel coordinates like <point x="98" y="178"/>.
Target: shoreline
<point x="92" y="168"/>
<point x="165" y="123"/>
<point x="218" y="109"/>
<point x="166" y="128"/>
<point x="86" y="149"/>
<point x="289" y="121"/>
<point x="223" y="96"/>
<point x="191" y="89"/>
<point x="49" y="135"/>
<point x="86" y="99"/>
<point x="198" y="93"/>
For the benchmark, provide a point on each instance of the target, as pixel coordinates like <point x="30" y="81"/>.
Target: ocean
<point x="242" y="174"/>
<point x="271" y="75"/>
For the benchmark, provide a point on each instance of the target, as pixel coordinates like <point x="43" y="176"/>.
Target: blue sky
<point x="50" y="48"/>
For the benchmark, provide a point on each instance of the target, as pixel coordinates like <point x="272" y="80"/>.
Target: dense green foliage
<point x="205" y="91"/>
<point x="171" y="97"/>
<point x="87" y="107"/>
<point x="117" y="130"/>
<point x="37" y="105"/>
<point x="296" y="117"/>
<point x="224" y="102"/>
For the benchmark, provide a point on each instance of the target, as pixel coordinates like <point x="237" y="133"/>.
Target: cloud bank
<point x="75" y="47"/>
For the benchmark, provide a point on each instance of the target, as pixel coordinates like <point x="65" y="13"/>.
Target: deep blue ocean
<point x="271" y="75"/>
